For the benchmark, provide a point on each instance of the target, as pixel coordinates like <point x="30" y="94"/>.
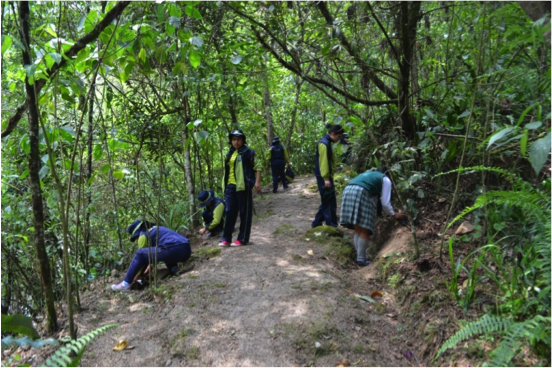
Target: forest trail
<point x="269" y="303"/>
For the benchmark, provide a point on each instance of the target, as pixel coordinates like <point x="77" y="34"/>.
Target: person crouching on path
<point x="278" y="158"/>
<point x="324" y="168"/>
<point x="359" y="206"/>
<point x="239" y="181"/>
<point x="213" y="216"/>
<point x="170" y="247"/>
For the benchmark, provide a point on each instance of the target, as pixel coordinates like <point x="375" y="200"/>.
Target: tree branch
<point x="73" y="51"/>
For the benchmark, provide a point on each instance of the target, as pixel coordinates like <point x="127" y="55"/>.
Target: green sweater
<point x="371" y="181"/>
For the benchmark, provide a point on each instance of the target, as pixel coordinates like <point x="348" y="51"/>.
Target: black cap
<point x="205" y="197"/>
<point x="236" y="133"/>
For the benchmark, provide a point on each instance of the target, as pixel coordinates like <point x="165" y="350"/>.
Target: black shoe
<point x="363" y="263"/>
<point x="274" y="191"/>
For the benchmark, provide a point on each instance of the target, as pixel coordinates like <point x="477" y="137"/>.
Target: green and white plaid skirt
<point x="358" y="207"/>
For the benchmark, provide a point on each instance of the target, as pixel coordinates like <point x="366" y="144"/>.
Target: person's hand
<point x="257" y="187"/>
<point x="202" y="231"/>
<point x="327" y="184"/>
<point x="399" y="215"/>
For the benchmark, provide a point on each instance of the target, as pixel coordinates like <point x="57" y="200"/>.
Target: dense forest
<point x="114" y="111"/>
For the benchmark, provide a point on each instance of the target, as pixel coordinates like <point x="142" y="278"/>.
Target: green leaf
<point x="522" y="116"/>
<point x="175" y="22"/>
<point x="538" y="153"/>
<point x="105" y="168"/>
<point x="90" y="21"/>
<point x="30" y="70"/>
<point x="50" y="28"/>
<point x="6" y="43"/>
<point x="533" y="125"/>
<point x="142" y="55"/>
<point x="523" y="142"/>
<point x="177" y="68"/>
<point x="98" y="153"/>
<point x="193" y="12"/>
<point x="118" y="174"/>
<point x="25" y="144"/>
<point x="19" y="324"/>
<point x="56" y="57"/>
<point x="236" y="59"/>
<point x="45" y="158"/>
<point x="195" y="58"/>
<point x="24" y="175"/>
<point x="499" y="135"/>
<point x="197" y="41"/>
<point x="43" y="171"/>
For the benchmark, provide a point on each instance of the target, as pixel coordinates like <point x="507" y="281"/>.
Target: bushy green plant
<point x="524" y="281"/>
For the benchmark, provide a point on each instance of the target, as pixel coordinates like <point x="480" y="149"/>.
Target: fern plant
<point x="534" y="330"/>
<point x="71" y="354"/>
<point x="524" y="281"/>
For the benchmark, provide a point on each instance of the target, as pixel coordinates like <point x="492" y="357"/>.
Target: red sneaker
<point x="224" y="243"/>
<point x="236" y="243"/>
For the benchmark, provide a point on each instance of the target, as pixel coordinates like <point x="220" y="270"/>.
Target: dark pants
<point x="278" y="173"/>
<point x="171" y="256"/>
<point x="238" y="202"/>
<point x="327" y="212"/>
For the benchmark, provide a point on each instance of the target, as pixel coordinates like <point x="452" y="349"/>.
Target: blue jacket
<point x="326" y="140"/>
<point x="277" y="153"/>
<point x="167" y="238"/>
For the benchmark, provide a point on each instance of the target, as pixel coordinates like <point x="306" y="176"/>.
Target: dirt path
<point x="266" y="304"/>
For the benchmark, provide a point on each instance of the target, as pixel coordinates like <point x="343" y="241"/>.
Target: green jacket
<point x="245" y="168"/>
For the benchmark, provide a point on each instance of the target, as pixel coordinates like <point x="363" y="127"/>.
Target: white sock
<point x="125" y="283"/>
<point x="356" y="242"/>
<point x="361" y="251"/>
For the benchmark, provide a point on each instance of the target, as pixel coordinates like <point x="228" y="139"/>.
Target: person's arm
<point x="258" y="167"/>
<point x="142" y="241"/>
<point x="323" y="161"/>
<point x="386" y="200"/>
<point x="217" y="216"/>
<point x="386" y="196"/>
<point x="268" y="157"/>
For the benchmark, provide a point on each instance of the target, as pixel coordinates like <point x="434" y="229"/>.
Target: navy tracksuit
<point x="239" y="202"/>
<point x="170" y="246"/>
<point x="278" y="166"/>
<point x="327" y="212"/>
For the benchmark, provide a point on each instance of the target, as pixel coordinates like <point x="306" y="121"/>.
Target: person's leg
<point x="282" y="174"/>
<point x="332" y="208"/>
<point x="321" y="214"/>
<point x="356" y="241"/>
<point x="231" y="212"/>
<point x="275" y="177"/>
<point x="140" y="260"/>
<point x="362" y="243"/>
<point x="173" y="255"/>
<point x="245" y="203"/>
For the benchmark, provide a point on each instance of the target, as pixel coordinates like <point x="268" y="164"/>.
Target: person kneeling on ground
<point x="170" y="247"/>
<point x="360" y="204"/>
<point x="213" y="216"/>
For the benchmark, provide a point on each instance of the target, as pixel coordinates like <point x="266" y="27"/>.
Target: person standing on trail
<point x="278" y="158"/>
<point x="213" y="216"/>
<point x="155" y="242"/>
<point x="324" y="168"/>
<point x="239" y="181"/>
<point x="363" y="198"/>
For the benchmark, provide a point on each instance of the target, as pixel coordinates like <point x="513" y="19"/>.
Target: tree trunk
<point x="298" y="84"/>
<point x="409" y="15"/>
<point x="34" y="168"/>
<point x="187" y="164"/>
<point x="268" y="112"/>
